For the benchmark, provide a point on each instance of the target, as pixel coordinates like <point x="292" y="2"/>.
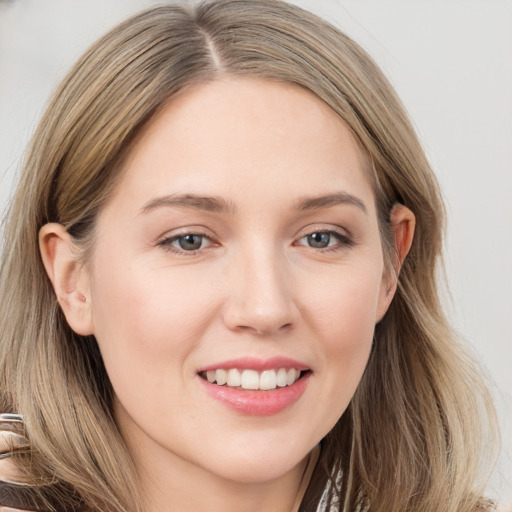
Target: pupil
<point x="319" y="240"/>
<point x="190" y="242"/>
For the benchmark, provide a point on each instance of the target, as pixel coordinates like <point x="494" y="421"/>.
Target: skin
<point x="256" y="287"/>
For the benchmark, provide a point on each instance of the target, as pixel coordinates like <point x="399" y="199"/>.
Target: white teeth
<point x="234" y="378"/>
<point x="281" y="378"/>
<point x="268" y="380"/>
<point x="221" y="376"/>
<point x="291" y="376"/>
<point x="251" y="379"/>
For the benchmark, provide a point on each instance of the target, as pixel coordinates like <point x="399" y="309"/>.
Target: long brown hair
<point x="411" y="439"/>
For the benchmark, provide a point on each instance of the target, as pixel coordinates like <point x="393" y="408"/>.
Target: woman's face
<point x="241" y="243"/>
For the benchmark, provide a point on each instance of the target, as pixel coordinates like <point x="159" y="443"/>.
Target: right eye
<point x="186" y="243"/>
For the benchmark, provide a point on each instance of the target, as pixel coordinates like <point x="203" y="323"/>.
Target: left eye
<point x="188" y="243"/>
<point x="322" y="239"/>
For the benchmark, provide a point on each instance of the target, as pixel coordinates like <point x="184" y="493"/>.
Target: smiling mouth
<point x="248" y="379"/>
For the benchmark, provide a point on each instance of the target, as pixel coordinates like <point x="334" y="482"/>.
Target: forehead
<point x="249" y="138"/>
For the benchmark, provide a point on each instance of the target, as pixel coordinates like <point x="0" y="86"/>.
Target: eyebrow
<point x="329" y="200"/>
<point x="217" y="204"/>
<point x="193" y="201"/>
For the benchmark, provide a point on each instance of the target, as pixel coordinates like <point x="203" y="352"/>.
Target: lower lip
<point x="258" y="403"/>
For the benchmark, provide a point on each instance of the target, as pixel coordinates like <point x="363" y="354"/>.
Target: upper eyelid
<point x="342" y="238"/>
<point x="305" y="231"/>
<point x="328" y="231"/>
<point x="172" y="238"/>
<point x="184" y="231"/>
<point x="323" y="228"/>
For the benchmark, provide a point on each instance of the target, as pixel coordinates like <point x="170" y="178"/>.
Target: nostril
<point x="259" y="313"/>
<point x="263" y="331"/>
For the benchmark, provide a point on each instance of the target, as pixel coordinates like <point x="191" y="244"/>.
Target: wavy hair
<point x="412" y="436"/>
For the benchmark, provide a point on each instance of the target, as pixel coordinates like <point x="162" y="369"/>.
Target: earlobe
<point x="69" y="279"/>
<point x="403" y="223"/>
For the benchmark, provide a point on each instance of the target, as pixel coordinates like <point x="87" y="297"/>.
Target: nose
<point x="261" y="297"/>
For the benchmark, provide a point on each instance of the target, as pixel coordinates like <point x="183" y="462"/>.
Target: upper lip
<point x="253" y="363"/>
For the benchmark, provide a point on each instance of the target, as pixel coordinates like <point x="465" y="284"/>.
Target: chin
<point x="255" y="472"/>
<point x="251" y="466"/>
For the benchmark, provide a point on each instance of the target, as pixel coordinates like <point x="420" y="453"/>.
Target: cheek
<point x="344" y="319"/>
<point x="344" y="304"/>
<point x="146" y="324"/>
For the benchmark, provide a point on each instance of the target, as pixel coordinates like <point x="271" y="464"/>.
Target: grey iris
<point x="190" y="242"/>
<point x="319" y="240"/>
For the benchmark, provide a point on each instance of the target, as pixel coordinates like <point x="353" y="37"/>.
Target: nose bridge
<point x="261" y="300"/>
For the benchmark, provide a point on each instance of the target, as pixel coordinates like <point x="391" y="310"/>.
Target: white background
<point x="451" y="62"/>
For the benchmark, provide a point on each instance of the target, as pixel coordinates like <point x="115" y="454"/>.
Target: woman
<point x="218" y="285"/>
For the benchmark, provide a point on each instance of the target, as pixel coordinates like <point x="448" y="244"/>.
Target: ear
<point x="402" y="222"/>
<point x="69" y="278"/>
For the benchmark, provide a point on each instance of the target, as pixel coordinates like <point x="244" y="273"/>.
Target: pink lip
<point x="258" y="403"/>
<point x="252" y="363"/>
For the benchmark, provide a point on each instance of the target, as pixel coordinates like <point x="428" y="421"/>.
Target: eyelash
<point x="343" y="241"/>
<point x="166" y="243"/>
